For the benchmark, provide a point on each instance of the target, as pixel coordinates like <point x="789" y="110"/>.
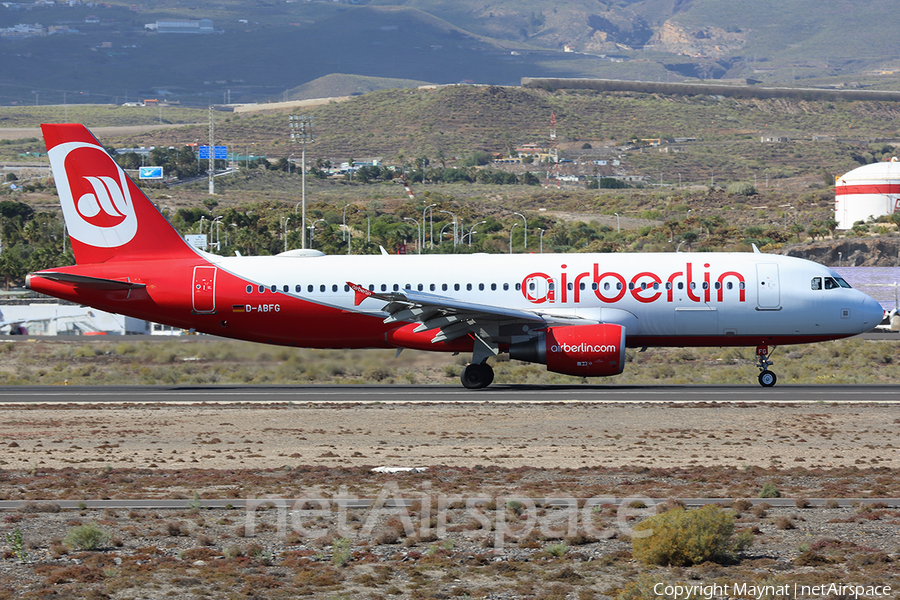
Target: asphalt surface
<point x="751" y="392"/>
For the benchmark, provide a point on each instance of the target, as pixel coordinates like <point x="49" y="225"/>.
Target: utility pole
<point x="301" y="127"/>
<point x="212" y="153"/>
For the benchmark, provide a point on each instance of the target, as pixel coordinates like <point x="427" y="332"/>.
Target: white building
<point x="868" y="191"/>
<point x="66" y="319"/>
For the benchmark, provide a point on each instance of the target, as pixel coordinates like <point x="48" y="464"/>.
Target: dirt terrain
<point x="477" y="525"/>
<point x="555" y="436"/>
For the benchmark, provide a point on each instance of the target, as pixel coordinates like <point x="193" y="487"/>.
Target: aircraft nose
<point x="872" y="313"/>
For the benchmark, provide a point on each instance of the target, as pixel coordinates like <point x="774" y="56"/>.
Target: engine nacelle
<point x="584" y="350"/>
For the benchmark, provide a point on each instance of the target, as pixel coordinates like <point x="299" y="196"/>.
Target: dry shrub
<point x="741" y="506"/>
<point x="683" y="538"/>
<point x="670" y="504"/>
<point x="802" y="503"/>
<point x="784" y="523"/>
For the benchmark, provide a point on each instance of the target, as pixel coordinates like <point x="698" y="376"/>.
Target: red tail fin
<point x="108" y="217"/>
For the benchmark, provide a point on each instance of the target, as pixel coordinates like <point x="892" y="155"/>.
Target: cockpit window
<point x="816" y="283"/>
<point x="831" y="284"/>
<point x="842" y="283"/>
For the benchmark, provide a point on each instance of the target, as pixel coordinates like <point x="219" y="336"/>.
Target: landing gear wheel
<point x="767" y="378"/>
<point x="475" y="377"/>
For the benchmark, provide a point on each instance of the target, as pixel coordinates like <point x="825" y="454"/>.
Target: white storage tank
<point x="868" y="191"/>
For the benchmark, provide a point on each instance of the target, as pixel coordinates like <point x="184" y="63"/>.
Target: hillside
<point x="264" y="50"/>
<point x="453" y="122"/>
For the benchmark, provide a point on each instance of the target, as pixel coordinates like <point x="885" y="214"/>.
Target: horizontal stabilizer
<point x="97" y="283"/>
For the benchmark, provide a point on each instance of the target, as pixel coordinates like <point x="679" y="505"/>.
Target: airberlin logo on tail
<point x="94" y="195"/>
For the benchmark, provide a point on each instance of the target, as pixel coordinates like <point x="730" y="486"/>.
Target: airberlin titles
<point x="646" y="286"/>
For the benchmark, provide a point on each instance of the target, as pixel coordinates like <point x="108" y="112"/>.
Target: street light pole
<point x="344" y="225"/>
<point x="454" y="225"/>
<point x="418" y="233"/>
<point x="526" y="228"/>
<point x="302" y="130"/>
<point x="284" y="222"/>
<point x="618" y="229"/>
<point x="510" y="236"/>
<point x="472" y="231"/>
<point x="542" y="241"/>
<point x="432" y="225"/>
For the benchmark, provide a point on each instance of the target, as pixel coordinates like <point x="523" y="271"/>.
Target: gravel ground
<point x="496" y="550"/>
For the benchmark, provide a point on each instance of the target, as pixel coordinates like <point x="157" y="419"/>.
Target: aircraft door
<point x="767" y="287"/>
<point x="203" y="290"/>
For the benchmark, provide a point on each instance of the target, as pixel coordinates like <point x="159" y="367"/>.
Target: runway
<point x="419" y="394"/>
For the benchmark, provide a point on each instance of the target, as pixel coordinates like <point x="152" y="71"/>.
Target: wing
<point x="488" y="324"/>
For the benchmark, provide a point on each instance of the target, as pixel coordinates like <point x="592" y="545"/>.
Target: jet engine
<point x="584" y="350"/>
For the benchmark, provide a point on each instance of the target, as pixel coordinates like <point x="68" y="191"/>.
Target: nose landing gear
<point x="766" y="377"/>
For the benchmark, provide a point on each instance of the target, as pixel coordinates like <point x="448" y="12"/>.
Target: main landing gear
<point x="477" y="376"/>
<point x="766" y="377"/>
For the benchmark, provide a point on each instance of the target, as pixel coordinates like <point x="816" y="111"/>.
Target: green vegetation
<point x="209" y="361"/>
<point x="86" y="537"/>
<point x="683" y="538"/>
<point x="16" y="545"/>
<point x="769" y="491"/>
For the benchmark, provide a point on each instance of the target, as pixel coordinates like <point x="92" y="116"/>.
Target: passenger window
<point x="396" y="287"/>
<point x="570" y="286"/>
<point x="531" y="286"/>
<point x="705" y="285"/>
<point x="383" y="287"/>
<point x="668" y="285"/>
<point x="286" y="288"/>
<point x="443" y="287"/>
<point x="408" y="286"/>
<point x="551" y="286"/>
<point x="816" y="283"/>
<point x="249" y="289"/>
<point x="371" y="287"/>
<point x="718" y="285"/>
<point x="693" y="286"/>
<point x="581" y="286"/>
<point x="456" y="287"/>
<point x="518" y="287"/>
<point x="595" y="286"/>
<point x="741" y="285"/>
<point x="274" y="287"/>
<point x="310" y="288"/>
<point x="630" y="285"/>
<point x="346" y="288"/>
<point x="468" y="287"/>
<point x="680" y="285"/>
<point x="298" y="288"/>
<point x="493" y="287"/>
<point x="420" y="287"/>
<point x="655" y="286"/>
<point x="262" y="289"/>
<point x="322" y="288"/>
<point x="606" y="286"/>
<point x="432" y="287"/>
<point x="505" y="287"/>
<point x="619" y="285"/>
<point x="480" y="287"/>
<point x="334" y="287"/>
<point x="729" y="285"/>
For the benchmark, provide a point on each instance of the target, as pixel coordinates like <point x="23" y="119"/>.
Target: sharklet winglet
<point x="359" y="293"/>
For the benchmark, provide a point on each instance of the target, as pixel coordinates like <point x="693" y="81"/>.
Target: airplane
<point x="575" y="313"/>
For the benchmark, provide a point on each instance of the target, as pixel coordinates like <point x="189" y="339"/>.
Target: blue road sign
<point x="150" y="173"/>
<point x="220" y="152"/>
